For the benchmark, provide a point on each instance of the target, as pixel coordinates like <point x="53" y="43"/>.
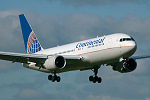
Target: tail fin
<point x="32" y="45"/>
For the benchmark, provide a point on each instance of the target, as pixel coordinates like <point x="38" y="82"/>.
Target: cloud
<point x="104" y="97"/>
<point x="147" y="98"/>
<point x="10" y="31"/>
<point x="77" y="3"/>
<point x="29" y="94"/>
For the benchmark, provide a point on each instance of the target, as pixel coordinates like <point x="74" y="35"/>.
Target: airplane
<point x="114" y="49"/>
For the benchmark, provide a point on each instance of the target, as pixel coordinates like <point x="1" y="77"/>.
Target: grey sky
<point x="51" y="29"/>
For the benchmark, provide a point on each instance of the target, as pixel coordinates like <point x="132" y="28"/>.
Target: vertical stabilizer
<point x="32" y="45"/>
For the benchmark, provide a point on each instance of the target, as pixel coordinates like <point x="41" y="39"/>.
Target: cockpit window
<point x="132" y="39"/>
<point x="126" y="39"/>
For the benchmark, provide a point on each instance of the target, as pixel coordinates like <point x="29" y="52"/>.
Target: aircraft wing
<point x="37" y="58"/>
<point x="141" y="57"/>
<point x="21" y="57"/>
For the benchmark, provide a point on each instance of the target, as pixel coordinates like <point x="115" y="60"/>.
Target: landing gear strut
<point x="54" y="78"/>
<point x="95" y="78"/>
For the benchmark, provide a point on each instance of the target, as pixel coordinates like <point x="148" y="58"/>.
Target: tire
<point x="53" y="78"/>
<point x="99" y="80"/>
<point x="58" y="79"/>
<point x="91" y="78"/>
<point x="49" y="77"/>
<point x="94" y="79"/>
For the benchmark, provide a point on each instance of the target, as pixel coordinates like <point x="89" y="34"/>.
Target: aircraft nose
<point x="134" y="46"/>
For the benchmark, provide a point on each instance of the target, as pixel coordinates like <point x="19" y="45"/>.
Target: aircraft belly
<point x="74" y="67"/>
<point x="32" y="66"/>
<point x="104" y="55"/>
<point x="69" y="67"/>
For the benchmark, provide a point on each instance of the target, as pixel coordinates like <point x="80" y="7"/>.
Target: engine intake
<point x="125" y="66"/>
<point x="54" y="62"/>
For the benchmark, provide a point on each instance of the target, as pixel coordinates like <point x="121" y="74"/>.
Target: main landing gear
<point x="54" y="78"/>
<point x="95" y="78"/>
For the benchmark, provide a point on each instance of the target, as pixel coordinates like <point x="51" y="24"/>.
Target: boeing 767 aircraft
<point x="115" y="50"/>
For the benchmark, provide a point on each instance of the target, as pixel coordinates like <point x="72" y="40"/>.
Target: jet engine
<point x="54" y="62"/>
<point x="125" y="66"/>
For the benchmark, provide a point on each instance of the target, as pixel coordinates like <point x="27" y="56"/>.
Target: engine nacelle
<point x="125" y="66"/>
<point x="55" y="62"/>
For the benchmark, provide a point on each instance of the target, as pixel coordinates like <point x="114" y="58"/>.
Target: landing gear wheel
<point x="94" y="79"/>
<point x="49" y="77"/>
<point x="91" y="78"/>
<point x="58" y="79"/>
<point x="54" y="78"/>
<point x="99" y="80"/>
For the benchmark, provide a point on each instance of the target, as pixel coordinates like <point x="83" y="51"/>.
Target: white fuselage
<point x="96" y="51"/>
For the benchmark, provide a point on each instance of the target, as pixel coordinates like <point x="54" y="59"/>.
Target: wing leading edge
<point x="36" y="58"/>
<point x="22" y="58"/>
<point x="140" y="57"/>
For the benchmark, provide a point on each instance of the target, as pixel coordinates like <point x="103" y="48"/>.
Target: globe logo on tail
<point x="33" y="44"/>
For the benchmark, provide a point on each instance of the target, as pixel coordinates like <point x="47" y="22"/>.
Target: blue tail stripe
<point x="26" y="29"/>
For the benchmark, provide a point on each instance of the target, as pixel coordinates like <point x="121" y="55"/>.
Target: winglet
<point x="32" y="45"/>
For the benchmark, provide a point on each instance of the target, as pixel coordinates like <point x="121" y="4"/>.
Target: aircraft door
<point x="110" y="43"/>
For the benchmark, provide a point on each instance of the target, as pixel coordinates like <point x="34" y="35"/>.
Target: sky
<point x="58" y="22"/>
